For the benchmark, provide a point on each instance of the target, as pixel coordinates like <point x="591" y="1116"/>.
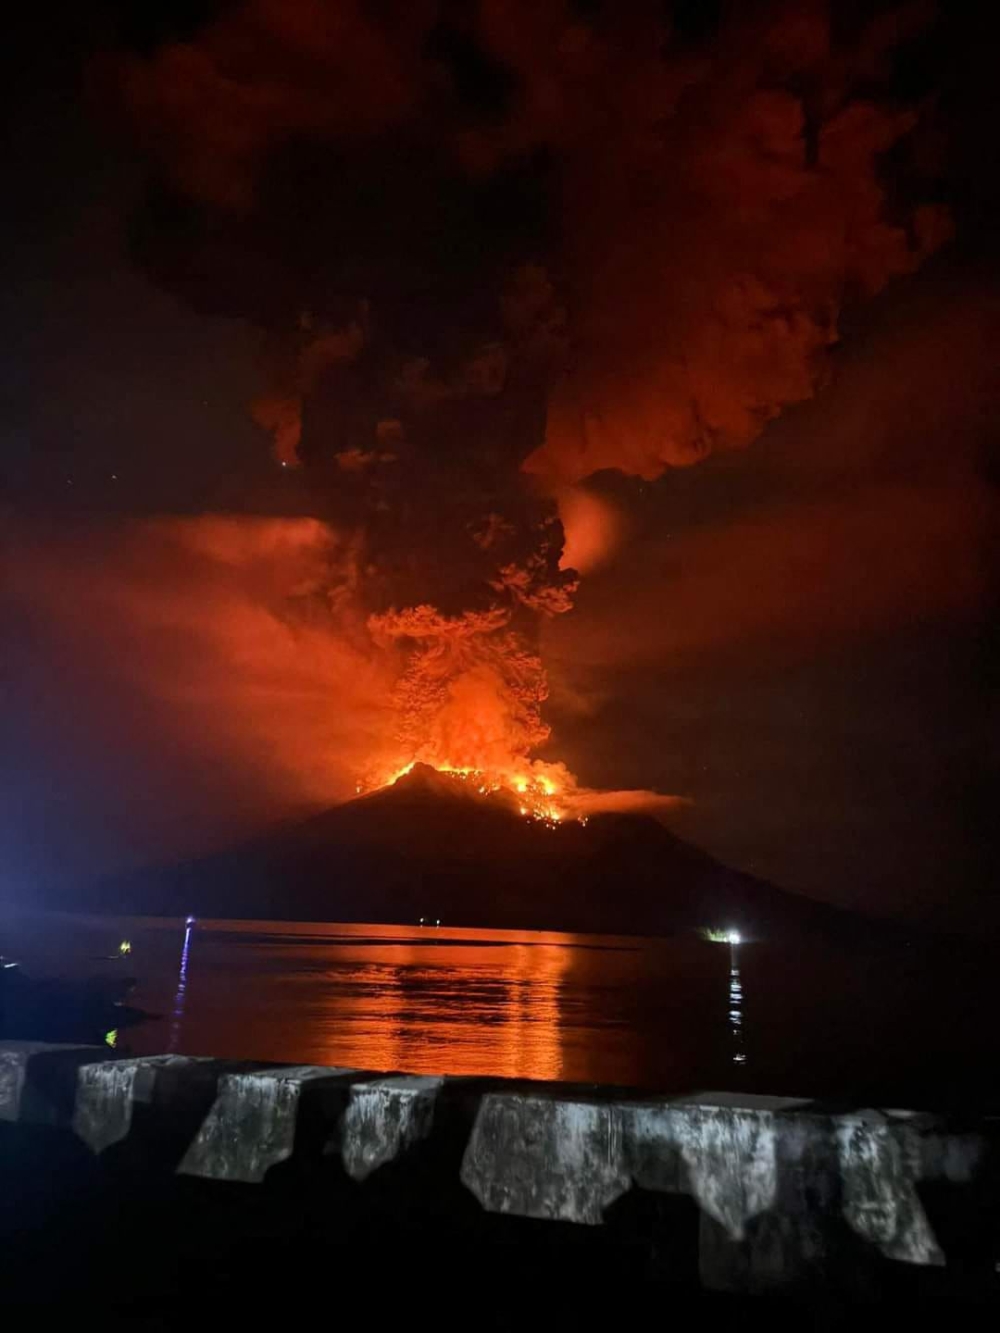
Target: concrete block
<point x="788" y="1194"/>
<point x="38" y="1081"/>
<point x="173" y="1089"/>
<point x="253" y="1121"/>
<point x="881" y="1162"/>
<point x="385" y="1117"/>
<point x="726" y="1155"/>
<point x="546" y="1157"/>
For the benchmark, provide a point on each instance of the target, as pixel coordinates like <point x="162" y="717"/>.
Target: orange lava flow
<point x="537" y="793"/>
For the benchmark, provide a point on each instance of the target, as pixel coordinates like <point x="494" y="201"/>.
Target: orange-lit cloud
<point x="217" y="635"/>
<point x="721" y="209"/>
<point x="863" y="514"/>
<point x="785" y="582"/>
<point x="585" y="801"/>
<point x="470" y="689"/>
<point x="505" y="250"/>
<point x="593" y="527"/>
<point x="265" y="71"/>
<point x="714" y="204"/>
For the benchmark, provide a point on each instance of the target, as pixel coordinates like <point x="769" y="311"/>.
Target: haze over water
<point x="671" y="1015"/>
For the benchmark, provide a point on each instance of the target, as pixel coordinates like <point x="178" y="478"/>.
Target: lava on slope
<point x="430" y="845"/>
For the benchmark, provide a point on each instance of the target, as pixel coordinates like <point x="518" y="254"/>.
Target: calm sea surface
<point x="673" y="1015"/>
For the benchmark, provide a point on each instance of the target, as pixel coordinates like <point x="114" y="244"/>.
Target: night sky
<point x="446" y="277"/>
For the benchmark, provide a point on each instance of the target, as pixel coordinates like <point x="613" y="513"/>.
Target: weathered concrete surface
<point x="881" y="1163"/>
<point x="571" y="1159"/>
<point x="786" y="1192"/>
<point x="535" y="1156"/>
<point x="38" y="1081"/>
<point x="384" y="1118"/>
<point x="776" y="1181"/>
<point x="170" y="1086"/>
<point x="253" y="1122"/>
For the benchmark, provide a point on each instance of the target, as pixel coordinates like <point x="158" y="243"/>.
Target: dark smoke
<point x="494" y="249"/>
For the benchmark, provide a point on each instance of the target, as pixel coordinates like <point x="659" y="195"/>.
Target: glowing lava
<point x="537" y="793"/>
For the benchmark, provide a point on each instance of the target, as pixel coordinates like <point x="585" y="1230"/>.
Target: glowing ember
<point x="469" y="693"/>
<point x="537" y="793"/>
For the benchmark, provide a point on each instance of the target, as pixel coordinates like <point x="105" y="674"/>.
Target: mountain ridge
<point x="431" y="845"/>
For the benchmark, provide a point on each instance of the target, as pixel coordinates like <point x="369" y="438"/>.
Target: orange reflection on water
<point x="477" y="1007"/>
<point x="460" y="1001"/>
<point x="517" y="1004"/>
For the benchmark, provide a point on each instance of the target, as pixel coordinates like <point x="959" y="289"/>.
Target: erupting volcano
<point x="541" y="242"/>
<point x="468" y="699"/>
<point x="468" y="702"/>
<point x="496" y="261"/>
<point x="537" y="797"/>
<point x="453" y="848"/>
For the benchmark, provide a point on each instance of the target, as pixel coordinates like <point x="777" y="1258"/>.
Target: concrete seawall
<point x="766" y="1194"/>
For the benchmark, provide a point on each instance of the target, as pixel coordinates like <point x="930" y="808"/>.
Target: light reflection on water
<point x="670" y="1015"/>
<point x="177" y="1022"/>
<point x="736" y="1006"/>
<point x="514" y="1004"/>
<point x="408" y="1004"/>
<point x="466" y="1006"/>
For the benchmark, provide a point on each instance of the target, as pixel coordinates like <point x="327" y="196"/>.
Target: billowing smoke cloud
<point x="223" y="634"/>
<point x="178" y="682"/>
<point x="496" y="249"/>
<point x="470" y="695"/>
<point x="718" y="220"/>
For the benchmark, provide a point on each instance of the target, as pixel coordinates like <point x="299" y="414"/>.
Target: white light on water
<point x="733" y="937"/>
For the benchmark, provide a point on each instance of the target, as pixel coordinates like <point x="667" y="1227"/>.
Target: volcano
<point x="431" y="846"/>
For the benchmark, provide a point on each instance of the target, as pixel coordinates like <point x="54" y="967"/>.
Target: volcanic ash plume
<point x="494" y="249"/>
<point x="471" y="692"/>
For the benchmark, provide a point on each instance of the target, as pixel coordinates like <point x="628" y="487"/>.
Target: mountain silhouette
<point x="430" y="846"/>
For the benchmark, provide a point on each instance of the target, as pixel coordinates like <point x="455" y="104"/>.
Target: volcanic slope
<point x="432" y="846"/>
